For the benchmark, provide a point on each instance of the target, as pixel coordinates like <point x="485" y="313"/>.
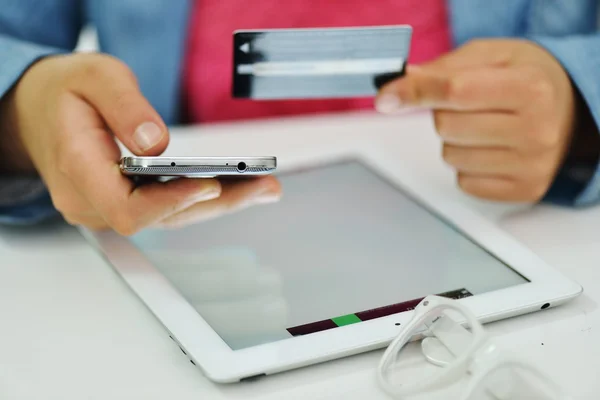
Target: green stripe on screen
<point x="346" y="320"/>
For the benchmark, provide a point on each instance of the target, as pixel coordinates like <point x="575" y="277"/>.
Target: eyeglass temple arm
<point x="450" y="339"/>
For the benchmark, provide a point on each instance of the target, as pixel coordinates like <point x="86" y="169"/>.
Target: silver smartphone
<point x="198" y="167"/>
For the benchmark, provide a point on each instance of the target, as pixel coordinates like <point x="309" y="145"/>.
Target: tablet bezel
<point x="221" y="364"/>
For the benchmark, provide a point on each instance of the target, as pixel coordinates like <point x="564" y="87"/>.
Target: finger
<point x="128" y="209"/>
<point x="420" y="87"/>
<point x="95" y="223"/>
<point x="501" y="189"/>
<point x="479" y="129"/>
<point x="235" y="197"/>
<point x="478" y="53"/>
<point x="501" y="162"/>
<point x="110" y="87"/>
<point x="483" y="161"/>
<point x="148" y="204"/>
<point x="481" y="89"/>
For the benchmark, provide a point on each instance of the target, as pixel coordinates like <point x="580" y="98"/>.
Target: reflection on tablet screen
<point x="341" y="247"/>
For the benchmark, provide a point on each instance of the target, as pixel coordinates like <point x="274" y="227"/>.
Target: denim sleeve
<point x="29" y="31"/>
<point x="580" y="57"/>
<point x="21" y="196"/>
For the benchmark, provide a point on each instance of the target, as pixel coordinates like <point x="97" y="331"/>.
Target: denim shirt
<point x="149" y="36"/>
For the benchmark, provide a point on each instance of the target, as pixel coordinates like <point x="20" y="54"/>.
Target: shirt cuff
<point x="33" y="212"/>
<point x="17" y="57"/>
<point x="24" y="201"/>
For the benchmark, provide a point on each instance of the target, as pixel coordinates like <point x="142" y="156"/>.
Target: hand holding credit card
<point x="317" y="63"/>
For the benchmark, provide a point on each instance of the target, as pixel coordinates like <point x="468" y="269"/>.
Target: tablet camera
<point x="242" y="166"/>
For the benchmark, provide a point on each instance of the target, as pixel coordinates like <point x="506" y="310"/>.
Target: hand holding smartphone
<point x="234" y="194"/>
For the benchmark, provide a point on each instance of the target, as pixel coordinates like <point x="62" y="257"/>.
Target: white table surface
<point x="71" y="329"/>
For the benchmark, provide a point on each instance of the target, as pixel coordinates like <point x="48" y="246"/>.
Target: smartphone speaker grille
<point x="231" y="170"/>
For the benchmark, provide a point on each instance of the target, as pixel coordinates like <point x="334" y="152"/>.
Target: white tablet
<point x="333" y="269"/>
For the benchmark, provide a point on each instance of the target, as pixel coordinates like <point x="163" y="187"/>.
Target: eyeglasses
<point x="462" y="351"/>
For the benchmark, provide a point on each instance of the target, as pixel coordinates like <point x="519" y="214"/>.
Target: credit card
<point x="314" y="63"/>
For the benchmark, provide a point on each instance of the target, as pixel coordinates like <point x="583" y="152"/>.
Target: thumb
<point x="425" y="86"/>
<point x="111" y="88"/>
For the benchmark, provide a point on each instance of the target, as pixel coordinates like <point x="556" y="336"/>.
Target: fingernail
<point x="388" y="104"/>
<point x="147" y="135"/>
<point x="208" y="193"/>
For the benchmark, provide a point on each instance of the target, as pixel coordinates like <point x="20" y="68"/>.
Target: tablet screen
<point x="343" y="246"/>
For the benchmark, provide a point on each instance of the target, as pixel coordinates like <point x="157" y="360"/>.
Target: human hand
<point x="505" y="110"/>
<point x="61" y="117"/>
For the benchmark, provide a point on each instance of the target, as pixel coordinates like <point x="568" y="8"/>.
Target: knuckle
<point x="68" y="204"/>
<point x="539" y="167"/>
<point x="543" y="138"/>
<point x="538" y="86"/>
<point x="550" y="139"/>
<point x="535" y="190"/>
<point x="442" y="123"/>
<point x="120" y="67"/>
<point x="89" y="68"/>
<point x="97" y="66"/>
<point x="448" y="155"/>
<point x="465" y="183"/>
<point x="115" y="67"/>
<point x="70" y="220"/>
<point x="60" y="204"/>
<point x="455" y="89"/>
<point x="540" y="190"/>
<point x="123" y="223"/>
<point x="542" y="89"/>
<point x="474" y="187"/>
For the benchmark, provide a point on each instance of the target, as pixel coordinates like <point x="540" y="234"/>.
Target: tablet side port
<point x="253" y="378"/>
<point x="178" y="345"/>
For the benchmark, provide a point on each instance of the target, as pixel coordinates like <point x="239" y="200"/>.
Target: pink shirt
<point x="208" y="64"/>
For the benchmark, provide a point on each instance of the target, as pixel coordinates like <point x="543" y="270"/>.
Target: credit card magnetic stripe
<point x="318" y="63"/>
